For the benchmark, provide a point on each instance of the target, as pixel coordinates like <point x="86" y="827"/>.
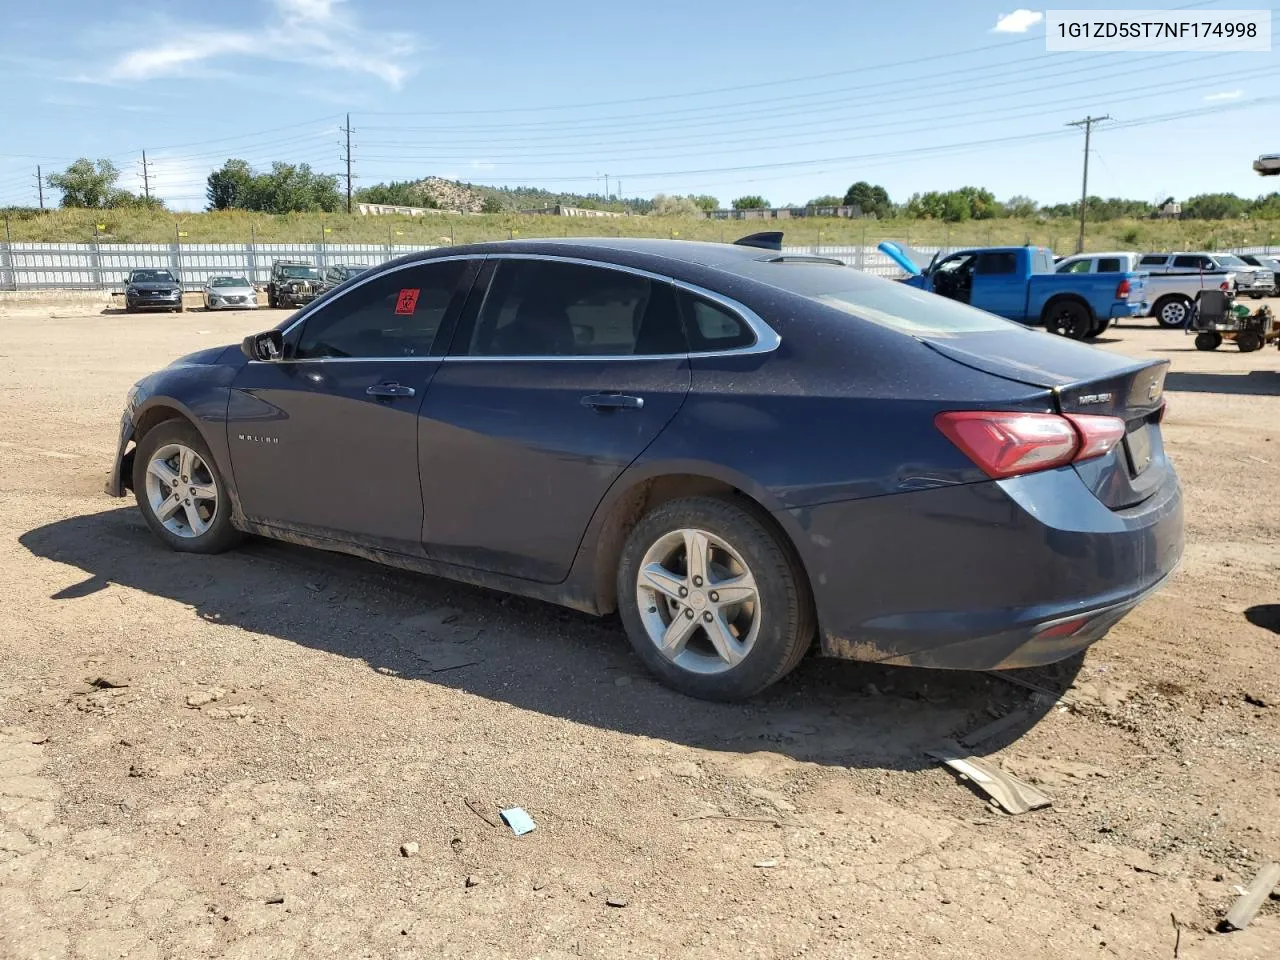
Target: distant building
<point x="382" y="209"/>
<point x="560" y="210"/>
<point x="1169" y="210"/>
<point x="785" y="213"/>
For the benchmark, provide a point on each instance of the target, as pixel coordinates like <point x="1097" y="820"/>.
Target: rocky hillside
<point x="449" y="195"/>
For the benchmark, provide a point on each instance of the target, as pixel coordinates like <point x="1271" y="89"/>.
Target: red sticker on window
<point x="407" y="302"/>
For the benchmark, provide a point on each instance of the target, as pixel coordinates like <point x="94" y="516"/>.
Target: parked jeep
<point x="293" y="283"/>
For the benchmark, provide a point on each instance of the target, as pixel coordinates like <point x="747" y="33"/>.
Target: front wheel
<point x="180" y="492"/>
<point x="1067" y="318"/>
<point x="1172" y="312"/>
<point x="1208" y="340"/>
<point x="712" y="600"/>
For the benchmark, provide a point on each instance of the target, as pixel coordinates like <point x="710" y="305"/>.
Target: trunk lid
<point x="1083" y="380"/>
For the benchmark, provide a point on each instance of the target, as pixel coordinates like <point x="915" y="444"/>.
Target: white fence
<point x="104" y="266"/>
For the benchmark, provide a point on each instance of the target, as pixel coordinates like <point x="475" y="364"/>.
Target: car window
<point x="1229" y="261"/>
<point x="897" y="305"/>
<point x="1076" y="266"/>
<point x="995" y="264"/>
<point x="1153" y="260"/>
<point x="954" y="263"/>
<point x="151" y="276"/>
<point x="711" y="327"/>
<point x="1188" y="262"/>
<point x="394" y="315"/>
<point x="1109" y="265"/>
<point x="545" y="308"/>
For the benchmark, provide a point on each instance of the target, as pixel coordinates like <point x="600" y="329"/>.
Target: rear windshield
<point x="886" y="302"/>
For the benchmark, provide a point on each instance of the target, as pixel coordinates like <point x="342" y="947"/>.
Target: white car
<point x="1249" y="281"/>
<point x="229" y="293"/>
<point x="1170" y="294"/>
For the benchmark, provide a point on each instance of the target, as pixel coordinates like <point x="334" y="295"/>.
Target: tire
<point x="1208" y="340"/>
<point x="179" y="308"/>
<point x="1248" y="341"/>
<point x="1068" y="318"/>
<point x="1172" y="312"/>
<point x="212" y="531"/>
<point x="1099" y="327"/>
<point x="770" y="632"/>
<point x="271" y="298"/>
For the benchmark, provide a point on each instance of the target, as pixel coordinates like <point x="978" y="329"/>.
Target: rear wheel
<point x="1248" y="341"/>
<point x="1100" y="327"/>
<point x="1068" y="318"/>
<point x="1172" y="312"/>
<point x="1208" y="340"/>
<point x="271" y="298"/>
<point x="179" y="491"/>
<point x="712" y="601"/>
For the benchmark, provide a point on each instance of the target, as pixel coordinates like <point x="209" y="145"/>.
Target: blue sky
<point x="725" y="97"/>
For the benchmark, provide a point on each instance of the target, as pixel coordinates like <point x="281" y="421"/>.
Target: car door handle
<point x="612" y="401"/>
<point x="389" y="390"/>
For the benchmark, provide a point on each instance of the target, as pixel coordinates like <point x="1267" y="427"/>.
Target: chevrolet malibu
<point x="744" y="453"/>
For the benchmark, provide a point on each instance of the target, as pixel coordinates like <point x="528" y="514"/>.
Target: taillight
<point x="1122" y="291"/>
<point x="1097" y="434"/>
<point x="1006" y="444"/>
<point x="1224" y="286"/>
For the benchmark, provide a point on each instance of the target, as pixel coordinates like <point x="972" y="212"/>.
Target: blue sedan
<point x="746" y="454"/>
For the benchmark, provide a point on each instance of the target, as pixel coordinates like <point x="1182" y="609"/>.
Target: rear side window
<point x="1109" y="265"/>
<point x="1076" y="266"/>
<point x="545" y="308"/>
<point x="995" y="264"/>
<point x="904" y="308"/>
<point x="1153" y="260"/>
<point x="393" y="315"/>
<point x="1188" y="263"/>
<point x="712" y="327"/>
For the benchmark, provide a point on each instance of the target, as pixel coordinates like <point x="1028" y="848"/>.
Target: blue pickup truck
<point x="1019" y="283"/>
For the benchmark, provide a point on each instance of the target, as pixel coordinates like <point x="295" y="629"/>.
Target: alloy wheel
<point x="1173" y="313"/>
<point x="181" y="490"/>
<point x="698" y="601"/>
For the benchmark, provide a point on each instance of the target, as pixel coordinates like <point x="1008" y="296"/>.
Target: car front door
<point x="558" y="378"/>
<point x="953" y="277"/>
<point x="997" y="286"/>
<point x="324" y="441"/>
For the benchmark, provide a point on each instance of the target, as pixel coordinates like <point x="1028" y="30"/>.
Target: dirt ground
<point x="222" y="756"/>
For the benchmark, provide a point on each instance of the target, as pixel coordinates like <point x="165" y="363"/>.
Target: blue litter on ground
<point x="519" y="821"/>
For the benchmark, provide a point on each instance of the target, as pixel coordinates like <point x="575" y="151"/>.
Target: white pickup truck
<point x="1169" y="293"/>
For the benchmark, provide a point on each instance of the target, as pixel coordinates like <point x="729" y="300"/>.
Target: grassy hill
<point x="439" y="227"/>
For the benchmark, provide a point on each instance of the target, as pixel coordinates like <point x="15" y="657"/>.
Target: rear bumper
<point x="992" y="575"/>
<point x="1138" y="309"/>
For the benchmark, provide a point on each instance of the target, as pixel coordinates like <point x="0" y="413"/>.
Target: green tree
<point x="673" y="206"/>
<point x="85" y="185"/>
<point x="871" y="199"/>
<point x="1214" y="206"/>
<point x="491" y="204"/>
<point x="827" y="200"/>
<point x="1020" y="206"/>
<point x="230" y="186"/>
<point x="1266" y="208"/>
<point x="705" y="201"/>
<point x="399" y="193"/>
<point x="751" y="202"/>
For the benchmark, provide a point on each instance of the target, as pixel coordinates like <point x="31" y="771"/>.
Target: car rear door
<point x="324" y="441"/>
<point x="561" y="373"/>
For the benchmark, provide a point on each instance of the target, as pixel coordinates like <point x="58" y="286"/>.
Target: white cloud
<point x="314" y="32"/>
<point x="1020" y="21"/>
<point x="1226" y="95"/>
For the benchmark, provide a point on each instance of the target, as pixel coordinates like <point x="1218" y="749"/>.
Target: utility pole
<point x="606" y="188"/>
<point x="40" y="184"/>
<point x="347" y="131"/>
<point x="146" y="177"/>
<point x="1087" y="123"/>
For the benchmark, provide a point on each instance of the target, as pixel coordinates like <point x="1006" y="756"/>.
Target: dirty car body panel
<point x="514" y="473"/>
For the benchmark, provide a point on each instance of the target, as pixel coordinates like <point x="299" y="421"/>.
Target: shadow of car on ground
<point x="537" y="656"/>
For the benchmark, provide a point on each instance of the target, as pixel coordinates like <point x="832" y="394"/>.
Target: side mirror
<point x="263" y="346"/>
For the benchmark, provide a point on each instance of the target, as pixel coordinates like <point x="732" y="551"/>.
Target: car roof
<point x="1102" y="253"/>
